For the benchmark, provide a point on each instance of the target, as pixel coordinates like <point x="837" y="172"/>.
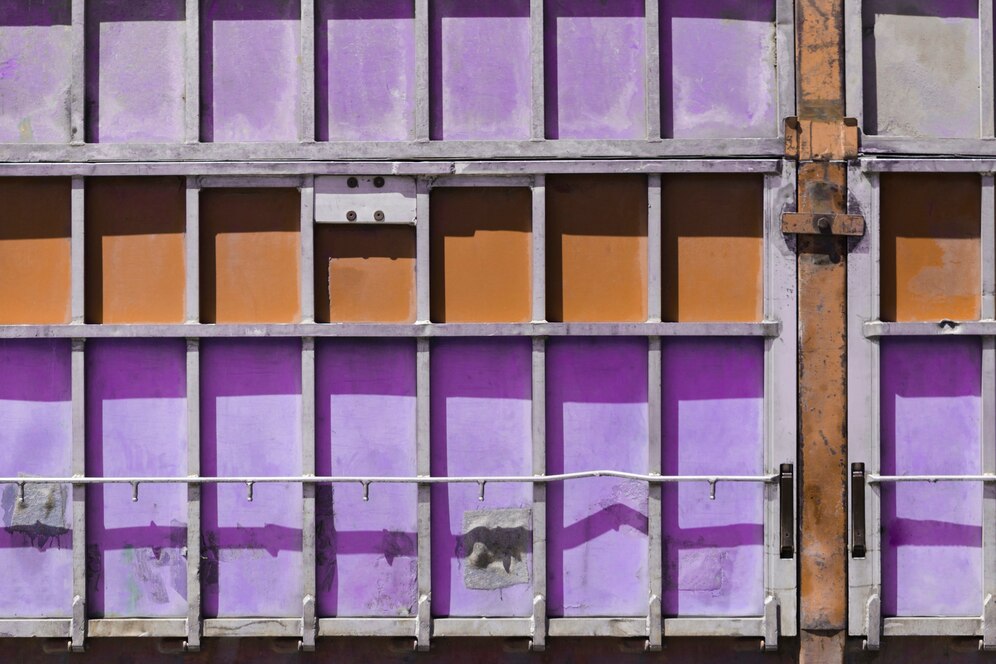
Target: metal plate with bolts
<point x="365" y="199"/>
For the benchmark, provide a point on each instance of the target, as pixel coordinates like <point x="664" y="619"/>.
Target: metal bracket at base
<point x="309" y="624"/>
<point x="77" y="625"/>
<point x="655" y="624"/>
<point x="988" y="641"/>
<point x="771" y="626"/>
<point x="873" y="623"/>
<point x="423" y="625"/>
<point x="537" y="641"/>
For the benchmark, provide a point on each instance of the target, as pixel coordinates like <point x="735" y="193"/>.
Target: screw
<point x="823" y="224"/>
<point x="378" y="182"/>
<point x="352" y="183"/>
<point x="351" y="216"/>
<point x="378" y="216"/>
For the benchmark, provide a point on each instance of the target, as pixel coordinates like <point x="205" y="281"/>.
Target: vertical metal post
<point x="988" y="428"/>
<point x="539" y="410"/>
<point x="422" y="250"/>
<point x="77" y="86"/>
<point x="422" y="440"/>
<point x="308" y="249"/>
<point x="78" y="228"/>
<point x="655" y="537"/>
<point x="78" y="395"/>
<point x="653" y="68"/>
<point x="536" y="49"/>
<point x="987" y="81"/>
<point x="194" y="619"/>
<point x="307" y="121"/>
<point x="192" y="72"/>
<point x="192" y="250"/>
<point x="309" y="623"/>
<point x="421" y="70"/>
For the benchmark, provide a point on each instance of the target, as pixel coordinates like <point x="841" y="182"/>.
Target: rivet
<point x="352" y="183"/>
<point x="351" y="215"/>
<point x="823" y="224"/>
<point x="378" y="182"/>
<point x="378" y="216"/>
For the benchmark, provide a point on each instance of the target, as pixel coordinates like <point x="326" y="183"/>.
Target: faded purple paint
<point x="712" y="396"/>
<point x="136" y="425"/>
<point x="251" y="425"/>
<point x="365" y="70"/>
<point x="250" y="70"/>
<point x="134" y="71"/>
<point x="480" y="70"/>
<point x="931" y="533"/>
<point x="481" y="425"/>
<point x="36" y="438"/>
<point x="597" y="528"/>
<point x="365" y="425"/>
<point x="35" y="71"/>
<point x="718" y="77"/>
<point x="595" y="69"/>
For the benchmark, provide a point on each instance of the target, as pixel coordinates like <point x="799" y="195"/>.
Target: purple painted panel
<point x="931" y="533"/>
<point x="718" y="77"/>
<point x="365" y="425"/>
<point x="595" y="69"/>
<point x="250" y="70"/>
<point x="36" y="438"/>
<point x="136" y="425"/>
<point x="134" y="71"/>
<point x="481" y="425"/>
<point x="712" y="405"/>
<point x="597" y="528"/>
<point x="480" y="83"/>
<point x="35" y="71"/>
<point x="251" y="425"/>
<point x="365" y="70"/>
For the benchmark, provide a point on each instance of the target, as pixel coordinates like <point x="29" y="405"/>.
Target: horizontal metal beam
<point x="607" y="627"/>
<point x="413" y="330"/>
<point x="40" y="628"/>
<point x="978" y="328"/>
<point x="899" y="145"/>
<point x="932" y="626"/>
<point x="137" y="627"/>
<point x="482" y="627"/>
<point x="253" y="627"/>
<point x="873" y="478"/>
<point x="390" y="627"/>
<point x="947" y="164"/>
<point x="714" y="627"/>
<point x="386" y="150"/>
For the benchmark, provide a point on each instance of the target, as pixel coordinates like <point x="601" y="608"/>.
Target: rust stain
<point x="35" y="224"/>
<point x="481" y="245"/>
<point x="134" y="250"/>
<point x="250" y="255"/>
<point x="712" y="237"/>
<point x="364" y="274"/>
<point x="931" y="252"/>
<point x="596" y="228"/>
<point x="819" y="59"/>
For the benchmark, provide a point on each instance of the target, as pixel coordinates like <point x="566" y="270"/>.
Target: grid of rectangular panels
<point x="240" y="389"/>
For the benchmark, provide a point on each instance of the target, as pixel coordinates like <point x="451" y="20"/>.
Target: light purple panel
<point x="250" y="70"/>
<point x="136" y="425"/>
<point x="134" y="71"/>
<point x="35" y="71"/>
<point x="481" y="425"/>
<point x="712" y="404"/>
<point x="597" y="528"/>
<point x="365" y="425"/>
<point x="480" y="70"/>
<point x="251" y="425"/>
<point x="36" y="438"/>
<point x="931" y="533"/>
<point x="595" y="69"/>
<point x="718" y="76"/>
<point x="365" y="70"/>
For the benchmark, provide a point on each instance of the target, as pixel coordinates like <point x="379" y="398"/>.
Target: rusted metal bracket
<point x="801" y="223"/>
<point x="821" y="140"/>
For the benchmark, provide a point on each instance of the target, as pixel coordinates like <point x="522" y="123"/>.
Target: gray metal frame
<point x="984" y="144"/>
<point x="864" y="332"/>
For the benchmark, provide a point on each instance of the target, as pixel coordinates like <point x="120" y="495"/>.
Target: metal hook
<point x="712" y="489"/>
<point x="20" y="493"/>
<point x="366" y="490"/>
<point x="480" y="494"/>
<point x="249" y="486"/>
<point x="134" y="492"/>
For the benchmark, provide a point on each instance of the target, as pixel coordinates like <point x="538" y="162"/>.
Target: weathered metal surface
<point x="481" y="424"/>
<point x="821" y="140"/>
<point x="932" y="533"/>
<point x="365" y="424"/>
<point x="135" y="85"/>
<point x="35" y="250"/>
<point x="250" y="103"/>
<point x="730" y="44"/>
<point x="712" y="403"/>
<point x="251" y="422"/>
<point x="597" y="414"/>
<point x="136" y="424"/>
<point x="823" y="224"/>
<point x="921" y="68"/>
<point x="481" y="251"/>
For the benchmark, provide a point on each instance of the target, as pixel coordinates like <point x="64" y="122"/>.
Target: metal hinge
<point x="821" y="140"/>
<point x="828" y="223"/>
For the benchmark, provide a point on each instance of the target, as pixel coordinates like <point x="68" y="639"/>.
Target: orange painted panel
<point x="250" y="255"/>
<point x="134" y="250"/>
<point x="931" y="262"/>
<point x="364" y="274"/>
<point x="481" y="247"/>
<point x="712" y="233"/>
<point x="35" y="225"/>
<point x="596" y="261"/>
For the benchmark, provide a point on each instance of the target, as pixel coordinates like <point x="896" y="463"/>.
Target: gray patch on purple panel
<point x="493" y="548"/>
<point x="43" y="507"/>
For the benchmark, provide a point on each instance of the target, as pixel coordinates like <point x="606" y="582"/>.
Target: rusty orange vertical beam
<point x="822" y="279"/>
